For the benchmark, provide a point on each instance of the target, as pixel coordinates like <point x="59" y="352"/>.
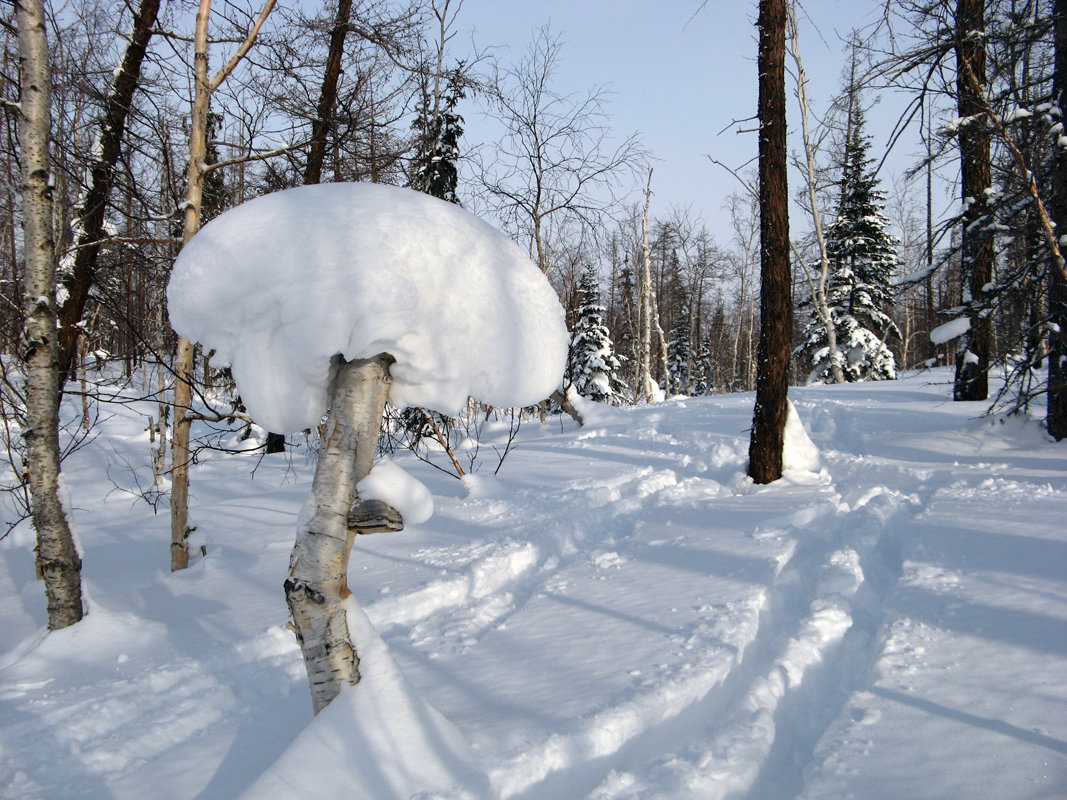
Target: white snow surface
<point x="619" y="613"/>
<point x="282" y="283"/>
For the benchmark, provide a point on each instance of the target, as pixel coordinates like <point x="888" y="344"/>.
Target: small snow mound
<point x="481" y="487"/>
<point x="800" y="452"/>
<point x="594" y="414"/>
<point x="392" y="485"/>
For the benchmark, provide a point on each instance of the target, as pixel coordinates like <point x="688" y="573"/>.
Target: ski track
<point x="744" y="727"/>
<point x="816" y="638"/>
<point x="819" y="632"/>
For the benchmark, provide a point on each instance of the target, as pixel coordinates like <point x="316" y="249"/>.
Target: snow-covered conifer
<point x="703" y="369"/>
<point x="863" y="256"/>
<point x="438" y="128"/>
<point x="678" y="356"/>
<point x="593" y="367"/>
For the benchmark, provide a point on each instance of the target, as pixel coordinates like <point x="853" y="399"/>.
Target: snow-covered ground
<point x="619" y="614"/>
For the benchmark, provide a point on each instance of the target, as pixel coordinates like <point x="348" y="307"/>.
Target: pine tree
<point x="863" y="256"/>
<point x="593" y="367"/>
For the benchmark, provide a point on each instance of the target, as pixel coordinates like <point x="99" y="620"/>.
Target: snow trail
<point x="619" y="614"/>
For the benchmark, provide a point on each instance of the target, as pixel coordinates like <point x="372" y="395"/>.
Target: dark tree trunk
<point x="275" y="443"/>
<point x="976" y="253"/>
<point x="776" y="306"/>
<point x="1057" y="362"/>
<point x="328" y="95"/>
<point x="101" y="177"/>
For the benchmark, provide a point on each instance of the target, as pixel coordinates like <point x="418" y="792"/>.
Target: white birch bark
<point x="818" y="287"/>
<point x="318" y="570"/>
<point x="57" y="556"/>
<point x="645" y="385"/>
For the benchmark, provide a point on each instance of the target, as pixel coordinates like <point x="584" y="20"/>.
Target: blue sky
<point x="679" y="74"/>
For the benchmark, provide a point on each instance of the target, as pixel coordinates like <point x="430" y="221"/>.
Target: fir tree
<point x="592" y="366"/>
<point x="438" y="129"/>
<point x="863" y="256"/>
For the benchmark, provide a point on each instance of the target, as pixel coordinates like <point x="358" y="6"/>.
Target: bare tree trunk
<point x="203" y="86"/>
<point x="328" y="94"/>
<point x="735" y="376"/>
<point x="776" y="306"/>
<point x="90" y="223"/>
<point x="185" y="361"/>
<point x="976" y="252"/>
<point x="928" y="141"/>
<point x="645" y="385"/>
<point x="662" y="344"/>
<point x="1056" y="417"/>
<point x="57" y="556"/>
<point x="318" y="569"/>
<point x="818" y="288"/>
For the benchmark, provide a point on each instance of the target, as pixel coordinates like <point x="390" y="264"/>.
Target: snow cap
<point x="282" y="283"/>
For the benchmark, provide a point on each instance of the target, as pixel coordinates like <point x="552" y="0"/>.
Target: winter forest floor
<point x="619" y="614"/>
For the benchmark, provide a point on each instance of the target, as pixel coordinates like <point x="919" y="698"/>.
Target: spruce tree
<point x="863" y="256"/>
<point x="700" y="380"/>
<point x="438" y="129"/>
<point x="679" y="356"/>
<point x="592" y="366"/>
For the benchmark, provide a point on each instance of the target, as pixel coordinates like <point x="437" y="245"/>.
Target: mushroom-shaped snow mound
<point x="282" y="283"/>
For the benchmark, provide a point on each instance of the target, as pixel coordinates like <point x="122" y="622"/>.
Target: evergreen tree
<point x="863" y="256"/>
<point x="217" y="195"/>
<point x="679" y="356"/>
<point x="700" y="381"/>
<point x="626" y="320"/>
<point x="438" y="128"/>
<point x="592" y="366"/>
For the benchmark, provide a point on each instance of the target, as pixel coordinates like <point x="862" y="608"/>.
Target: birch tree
<point x="818" y="282"/>
<point x="646" y="387"/>
<point x="57" y="555"/>
<point x="332" y="351"/>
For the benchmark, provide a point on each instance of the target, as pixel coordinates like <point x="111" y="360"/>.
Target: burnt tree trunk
<point x="776" y="305"/>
